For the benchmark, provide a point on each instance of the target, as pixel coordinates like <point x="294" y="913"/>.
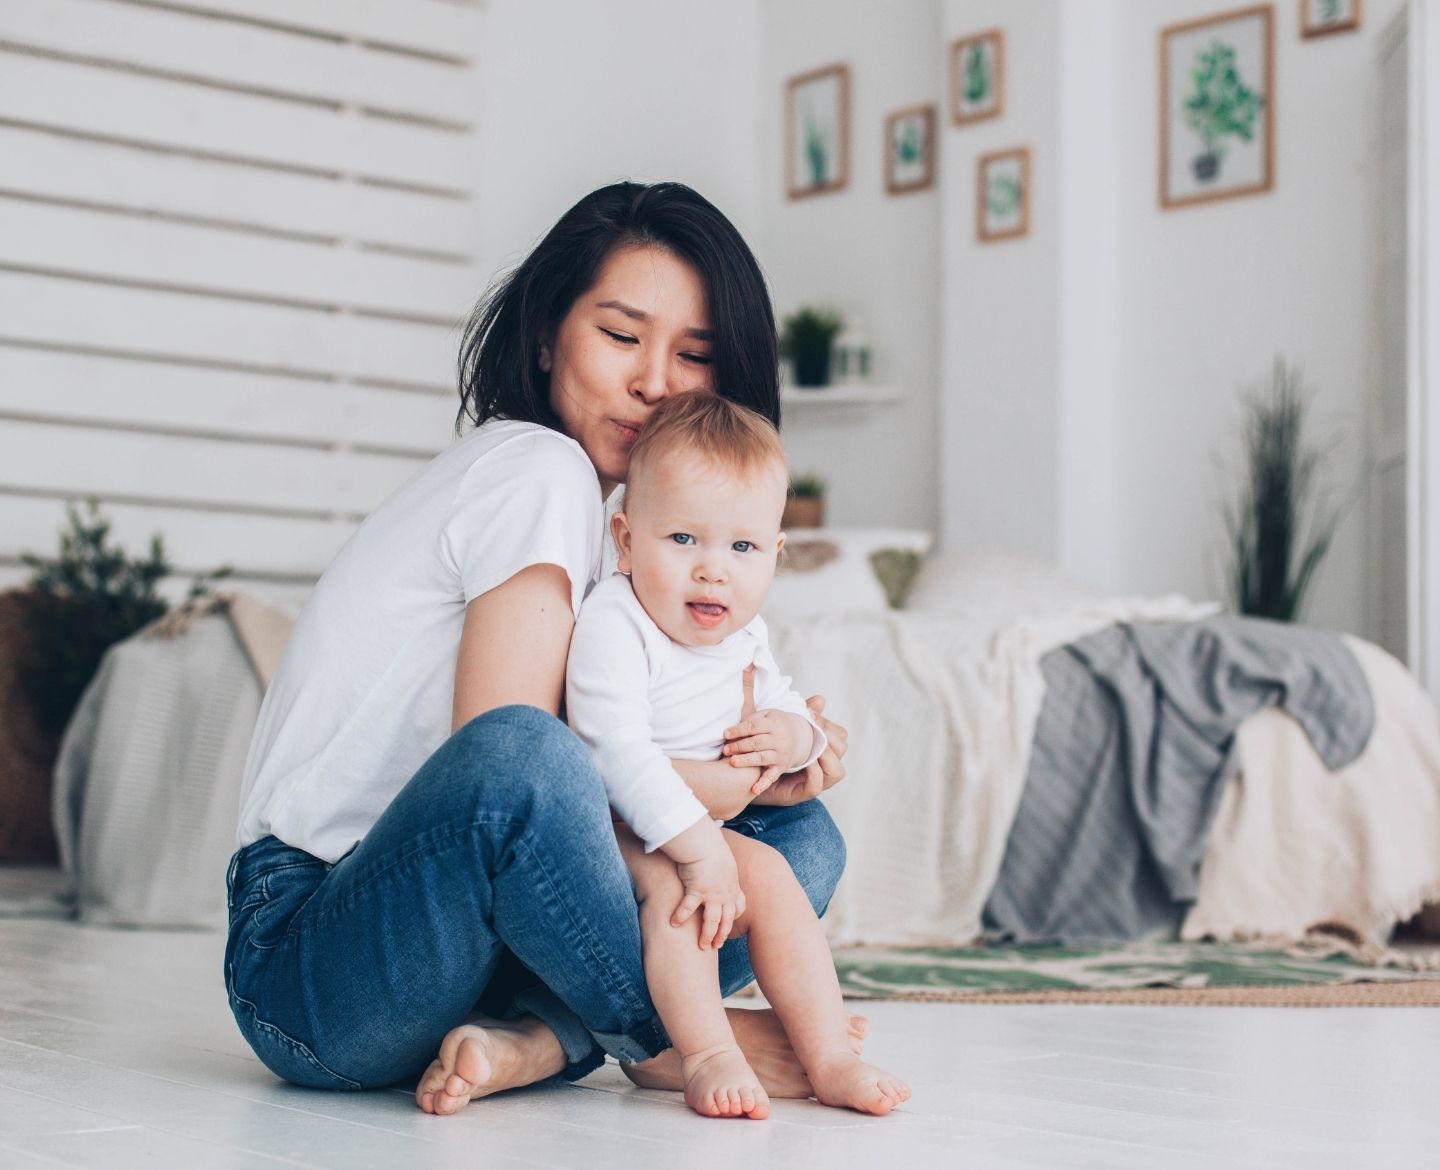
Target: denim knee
<point x="819" y="858"/>
<point x="530" y="762"/>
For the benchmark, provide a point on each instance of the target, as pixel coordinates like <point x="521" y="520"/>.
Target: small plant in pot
<point x="1278" y="532"/>
<point x="806" y="337"/>
<point x="805" y="507"/>
<point x="1220" y="106"/>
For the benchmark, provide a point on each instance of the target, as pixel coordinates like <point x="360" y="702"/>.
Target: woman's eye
<point x="697" y="359"/>
<point x="623" y="338"/>
<point x="682" y="538"/>
<point x="742" y="546"/>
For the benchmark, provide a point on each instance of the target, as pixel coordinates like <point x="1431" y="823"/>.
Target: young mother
<point x="422" y="839"/>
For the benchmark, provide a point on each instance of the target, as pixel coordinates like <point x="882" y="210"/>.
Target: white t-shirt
<point x="364" y="692"/>
<point x="639" y="700"/>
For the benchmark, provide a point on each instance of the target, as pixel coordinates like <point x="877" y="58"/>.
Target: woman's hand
<point x="824" y="773"/>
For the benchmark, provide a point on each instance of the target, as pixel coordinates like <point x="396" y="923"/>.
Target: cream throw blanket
<point x="1296" y="846"/>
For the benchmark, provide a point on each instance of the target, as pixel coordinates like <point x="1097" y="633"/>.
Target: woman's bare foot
<point x="850" y="1083"/>
<point x="720" y="1083"/>
<point x="763" y="1041"/>
<point x="488" y="1056"/>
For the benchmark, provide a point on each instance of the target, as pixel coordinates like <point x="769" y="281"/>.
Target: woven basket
<point x="27" y="754"/>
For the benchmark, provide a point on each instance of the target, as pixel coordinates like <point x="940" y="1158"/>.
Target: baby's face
<point x="700" y="545"/>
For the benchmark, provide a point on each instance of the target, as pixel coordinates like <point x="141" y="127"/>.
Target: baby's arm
<point x="783" y="735"/>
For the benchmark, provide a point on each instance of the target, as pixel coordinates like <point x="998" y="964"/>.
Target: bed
<point x="942" y="698"/>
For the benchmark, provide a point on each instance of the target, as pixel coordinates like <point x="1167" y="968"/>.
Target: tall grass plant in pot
<point x="1278" y="526"/>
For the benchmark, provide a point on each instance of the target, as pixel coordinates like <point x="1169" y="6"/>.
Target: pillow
<point x="993" y="585"/>
<point x="842" y="570"/>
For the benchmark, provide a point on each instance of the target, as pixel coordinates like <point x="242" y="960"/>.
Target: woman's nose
<point x="648" y="383"/>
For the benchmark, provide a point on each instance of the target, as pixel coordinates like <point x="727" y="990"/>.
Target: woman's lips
<point x="628" y="430"/>
<point x="707" y="613"/>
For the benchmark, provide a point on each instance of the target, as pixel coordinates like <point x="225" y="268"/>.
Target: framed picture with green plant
<point x="1318" y="18"/>
<point x="977" y="77"/>
<point x="817" y="131"/>
<point x="1217" y="107"/>
<point x="1002" y="195"/>
<point x="910" y="150"/>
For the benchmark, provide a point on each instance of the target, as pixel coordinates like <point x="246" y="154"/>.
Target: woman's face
<point x="640" y="334"/>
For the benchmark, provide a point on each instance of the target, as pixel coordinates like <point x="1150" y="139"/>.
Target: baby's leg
<point x="795" y="971"/>
<point x="684" y="984"/>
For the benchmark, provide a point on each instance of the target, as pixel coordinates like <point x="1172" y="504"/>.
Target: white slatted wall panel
<point x="236" y="237"/>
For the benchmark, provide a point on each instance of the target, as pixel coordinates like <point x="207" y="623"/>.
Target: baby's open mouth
<point x="707" y="613"/>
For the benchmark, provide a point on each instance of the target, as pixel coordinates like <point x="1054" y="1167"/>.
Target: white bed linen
<point x="941" y="705"/>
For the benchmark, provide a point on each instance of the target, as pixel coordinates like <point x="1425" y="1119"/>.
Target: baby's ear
<point x="779" y="544"/>
<point x="620" y="530"/>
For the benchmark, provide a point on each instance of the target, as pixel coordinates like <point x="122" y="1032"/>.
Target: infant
<point x="656" y="668"/>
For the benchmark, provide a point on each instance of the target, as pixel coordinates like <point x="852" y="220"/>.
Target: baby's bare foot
<point x="847" y="1082"/>
<point x="479" y="1059"/>
<point x="719" y="1083"/>
<point x="766" y="1047"/>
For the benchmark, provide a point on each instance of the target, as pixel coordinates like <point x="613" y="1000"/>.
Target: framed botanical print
<point x="910" y="149"/>
<point x="1319" y="17"/>
<point x="817" y="132"/>
<point x="977" y="77"/>
<point x="1002" y="196"/>
<point x="1217" y="107"/>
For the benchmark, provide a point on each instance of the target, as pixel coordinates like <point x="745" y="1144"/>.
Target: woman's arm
<point x="514" y="644"/>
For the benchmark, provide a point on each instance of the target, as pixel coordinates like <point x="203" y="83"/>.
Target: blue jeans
<point x="492" y="881"/>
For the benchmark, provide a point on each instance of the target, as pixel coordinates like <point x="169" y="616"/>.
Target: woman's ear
<point x="544" y="358"/>
<point x="620" y="530"/>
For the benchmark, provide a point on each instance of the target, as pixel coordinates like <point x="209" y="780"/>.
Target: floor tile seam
<point x="217" y="1090"/>
<point x="1070" y="1135"/>
<point x="1244" y="1076"/>
<point x="32" y="1154"/>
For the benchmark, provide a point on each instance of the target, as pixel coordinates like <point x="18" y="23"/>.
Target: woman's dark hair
<point x="500" y="374"/>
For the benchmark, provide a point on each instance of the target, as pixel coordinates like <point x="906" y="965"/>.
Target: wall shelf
<point x="841" y="394"/>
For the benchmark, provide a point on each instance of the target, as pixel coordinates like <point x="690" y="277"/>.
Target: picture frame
<point x="1217" y="107"/>
<point x="1320" y="18"/>
<point x="977" y="77"/>
<point x="1002" y="195"/>
<point x="910" y="149"/>
<point x="817" y="132"/>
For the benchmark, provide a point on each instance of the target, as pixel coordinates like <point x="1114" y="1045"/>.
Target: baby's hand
<point x="775" y="741"/>
<point x="712" y="886"/>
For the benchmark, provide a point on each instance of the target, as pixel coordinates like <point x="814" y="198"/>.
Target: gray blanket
<point x="1134" y="744"/>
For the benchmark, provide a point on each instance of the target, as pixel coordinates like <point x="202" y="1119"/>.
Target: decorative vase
<point x="1206" y="166"/>
<point x="813" y="368"/>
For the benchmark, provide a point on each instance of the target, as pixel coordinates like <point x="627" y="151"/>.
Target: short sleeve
<point x="532" y="500"/>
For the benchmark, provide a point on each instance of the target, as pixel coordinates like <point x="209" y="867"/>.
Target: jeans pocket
<point x="284" y="1055"/>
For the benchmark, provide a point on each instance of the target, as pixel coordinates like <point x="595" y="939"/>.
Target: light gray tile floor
<point x="117" y="1051"/>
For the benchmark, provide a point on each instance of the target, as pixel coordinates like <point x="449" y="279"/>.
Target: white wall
<point x="1101" y="449"/>
<point x="871" y="254"/>
<point x="577" y="95"/>
<point x="999" y="412"/>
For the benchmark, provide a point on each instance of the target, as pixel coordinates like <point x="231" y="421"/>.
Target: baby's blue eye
<point x="742" y="546"/>
<point x="682" y="538"/>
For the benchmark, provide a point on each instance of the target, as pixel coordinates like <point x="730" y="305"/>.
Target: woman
<point x="421" y="838"/>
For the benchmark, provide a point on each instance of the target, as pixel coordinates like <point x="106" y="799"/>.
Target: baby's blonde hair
<point x="724" y="433"/>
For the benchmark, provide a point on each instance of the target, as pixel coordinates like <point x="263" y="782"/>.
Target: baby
<point x="655" y="673"/>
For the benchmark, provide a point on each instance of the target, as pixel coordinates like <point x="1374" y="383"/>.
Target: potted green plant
<point x="1278" y="533"/>
<point x="1220" y="106"/>
<point x="805" y="506"/>
<point x="805" y="338"/>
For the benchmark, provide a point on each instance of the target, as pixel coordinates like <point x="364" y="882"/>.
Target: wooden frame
<point x="1256" y="156"/>
<point x="1310" y="26"/>
<point x="963" y="109"/>
<point x="902" y="176"/>
<point x="830" y="171"/>
<point x="1004" y="226"/>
